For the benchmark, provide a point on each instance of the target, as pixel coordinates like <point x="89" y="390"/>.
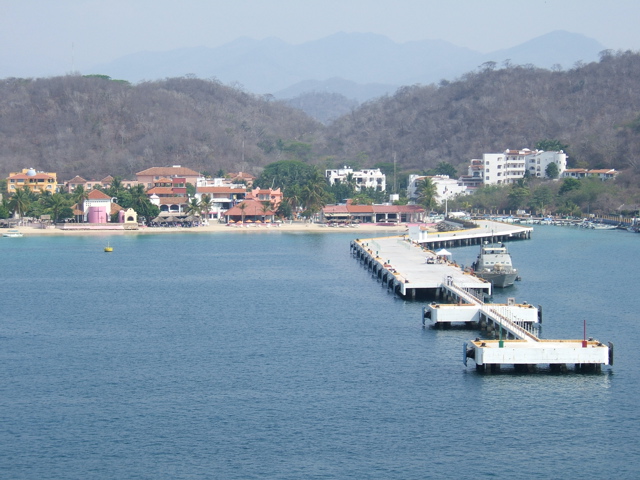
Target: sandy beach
<point x="301" y="227"/>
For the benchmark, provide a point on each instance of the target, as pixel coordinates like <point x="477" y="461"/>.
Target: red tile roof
<point x="253" y="208"/>
<point x="98" y="195"/>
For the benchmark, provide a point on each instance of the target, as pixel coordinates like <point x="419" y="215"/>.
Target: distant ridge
<point x="369" y="65"/>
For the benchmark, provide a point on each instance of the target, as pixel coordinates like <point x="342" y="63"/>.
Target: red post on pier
<point x="584" y="334"/>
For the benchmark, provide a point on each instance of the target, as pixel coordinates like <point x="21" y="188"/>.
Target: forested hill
<point x="94" y="126"/>
<point x="593" y="108"/>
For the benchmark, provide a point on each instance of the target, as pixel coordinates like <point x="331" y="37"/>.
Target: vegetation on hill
<point x="94" y="126"/>
<point x="593" y="108"/>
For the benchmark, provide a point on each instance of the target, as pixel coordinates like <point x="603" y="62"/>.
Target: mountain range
<point x="359" y="66"/>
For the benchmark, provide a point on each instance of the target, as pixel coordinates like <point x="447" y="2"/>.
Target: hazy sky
<point x="51" y="37"/>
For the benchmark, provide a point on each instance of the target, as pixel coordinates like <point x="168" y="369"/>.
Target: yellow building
<point x="35" y="181"/>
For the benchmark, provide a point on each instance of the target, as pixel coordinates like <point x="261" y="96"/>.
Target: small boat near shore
<point x="12" y="233"/>
<point x="494" y="265"/>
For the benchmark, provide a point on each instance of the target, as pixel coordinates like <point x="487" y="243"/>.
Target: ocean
<point x="277" y="355"/>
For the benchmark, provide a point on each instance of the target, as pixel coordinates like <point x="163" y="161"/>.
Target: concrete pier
<point x="410" y="270"/>
<point x="407" y="266"/>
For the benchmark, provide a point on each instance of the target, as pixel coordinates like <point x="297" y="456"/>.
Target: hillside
<point x="491" y="110"/>
<point x="94" y="126"/>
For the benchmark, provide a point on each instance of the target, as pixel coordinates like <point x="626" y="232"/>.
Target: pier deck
<point x="405" y="265"/>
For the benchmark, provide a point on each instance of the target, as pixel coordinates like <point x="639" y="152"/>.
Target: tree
<point x="445" y="168"/>
<point x="265" y="208"/>
<point x="243" y="206"/>
<point x="205" y="204"/>
<point x="552" y="171"/>
<point x="427" y="192"/>
<point x="569" y="184"/>
<point x="194" y="208"/>
<point x="57" y="204"/>
<point x="541" y="199"/>
<point x="293" y="197"/>
<point x="314" y="192"/>
<point x="5" y="212"/>
<point x="139" y="201"/>
<point x="517" y="196"/>
<point x="20" y="201"/>
<point x="284" y="174"/>
<point x="551" y="145"/>
<point x="116" y="189"/>
<point x="79" y="195"/>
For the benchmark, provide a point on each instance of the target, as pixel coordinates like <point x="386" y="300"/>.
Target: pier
<point x="407" y="266"/>
<point x="410" y="270"/>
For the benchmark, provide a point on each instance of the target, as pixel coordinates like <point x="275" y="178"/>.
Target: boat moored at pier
<point x="494" y="265"/>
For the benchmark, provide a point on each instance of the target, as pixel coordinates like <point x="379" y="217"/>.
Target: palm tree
<point x="314" y="193"/>
<point x="205" y="204"/>
<point x="427" y="192"/>
<point x="141" y="204"/>
<point x="20" y="201"/>
<point x="293" y="199"/>
<point x="55" y="203"/>
<point x="115" y="189"/>
<point x="193" y="207"/>
<point x="79" y="195"/>
<point x="351" y="183"/>
<point x="266" y="206"/>
<point x="243" y="206"/>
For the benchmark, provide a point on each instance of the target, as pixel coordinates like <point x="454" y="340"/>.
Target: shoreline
<point x="29" y="231"/>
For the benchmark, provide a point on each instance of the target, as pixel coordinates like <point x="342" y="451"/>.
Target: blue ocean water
<point x="276" y="355"/>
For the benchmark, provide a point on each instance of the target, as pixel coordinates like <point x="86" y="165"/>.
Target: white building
<point x="446" y="188"/>
<point x="368" y="178"/>
<point x="510" y="166"/>
<point x="602" y="174"/>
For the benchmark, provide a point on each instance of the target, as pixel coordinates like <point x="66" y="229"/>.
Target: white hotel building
<point x="510" y="166"/>
<point x="368" y="178"/>
<point x="446" y="188"/>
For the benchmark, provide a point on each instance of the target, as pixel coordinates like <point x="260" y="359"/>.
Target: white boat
<point x="12" y="233"/>
<point x="494" y="265"/>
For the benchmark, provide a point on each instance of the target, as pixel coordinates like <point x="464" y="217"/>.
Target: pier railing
<point x="509" y="324"/>
<point x="502" y="315"/>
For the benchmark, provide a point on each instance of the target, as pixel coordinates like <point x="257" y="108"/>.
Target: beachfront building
<point x="169" y="194"/>
<point x="602" y="173"/>
<point x="151" y="175"/>
<point x="87" y="185"/>
<point x="383" y="214"/>
<point x="446" y="188"/>
<point x="368" y="178"/>
<point x="510" y="166"/>
<point x="222" y="198"/>
<point x="35" y="181"/>
<point x="96" y="208"/>
<point x="250" y="211"/>
<point x="274" y="197"/>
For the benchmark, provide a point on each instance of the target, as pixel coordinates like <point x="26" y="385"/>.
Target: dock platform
<point x="407" y="266"/>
